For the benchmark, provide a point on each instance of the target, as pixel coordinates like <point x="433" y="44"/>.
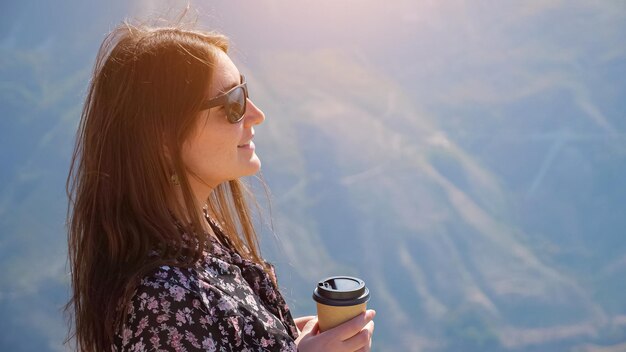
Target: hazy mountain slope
<point x="392" y="198"/>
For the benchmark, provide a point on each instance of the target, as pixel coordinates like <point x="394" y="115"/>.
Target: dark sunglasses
<point x="234" y="102"/>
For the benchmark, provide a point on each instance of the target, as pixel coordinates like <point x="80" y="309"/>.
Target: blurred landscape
<point x="465" y="159"/>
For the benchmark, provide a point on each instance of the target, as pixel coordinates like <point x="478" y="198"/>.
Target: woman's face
<point x="218" y="151"/>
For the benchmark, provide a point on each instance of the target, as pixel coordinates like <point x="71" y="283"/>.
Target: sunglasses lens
<point x="236" y="105"/>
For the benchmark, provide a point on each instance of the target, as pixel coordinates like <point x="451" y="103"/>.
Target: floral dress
<point x="226" y="303"/>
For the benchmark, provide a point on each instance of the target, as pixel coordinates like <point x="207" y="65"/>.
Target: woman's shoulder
<point x="213" y="263"/>
<point x="212" y="282"/>
<point x="173" y="279"/>
<point x="178" y="295"/>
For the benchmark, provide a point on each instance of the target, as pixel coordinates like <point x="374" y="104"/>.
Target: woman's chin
<point x="254" y="165"/>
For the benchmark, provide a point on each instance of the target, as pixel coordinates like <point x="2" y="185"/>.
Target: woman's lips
<point x="249" y="145"/>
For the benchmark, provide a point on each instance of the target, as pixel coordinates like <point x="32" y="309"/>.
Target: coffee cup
<point x="339" y="299"/>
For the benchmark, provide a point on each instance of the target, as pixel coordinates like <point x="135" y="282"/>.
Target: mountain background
<point x="465" y="159"/>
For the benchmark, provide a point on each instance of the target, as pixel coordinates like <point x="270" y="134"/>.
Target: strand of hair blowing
<point x="145" y="91"/>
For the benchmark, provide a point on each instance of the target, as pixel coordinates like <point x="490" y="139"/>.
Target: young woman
<point x="163" y="252"/>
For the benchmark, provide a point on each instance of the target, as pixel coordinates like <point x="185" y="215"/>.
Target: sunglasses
<point x="234" y="102"/>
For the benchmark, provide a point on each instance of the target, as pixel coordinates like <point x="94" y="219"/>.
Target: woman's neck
<point x="200" y="202"/>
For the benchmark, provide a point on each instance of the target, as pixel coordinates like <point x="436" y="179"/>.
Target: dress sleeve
<point x="165" y="316"/>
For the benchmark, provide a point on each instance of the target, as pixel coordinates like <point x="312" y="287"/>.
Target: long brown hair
<point x="147" y="86"/>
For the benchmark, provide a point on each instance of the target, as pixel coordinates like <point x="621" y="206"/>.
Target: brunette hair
<point x="145" y="93"/>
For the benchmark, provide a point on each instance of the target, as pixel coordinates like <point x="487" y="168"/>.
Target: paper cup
<point x="339" y="299"/>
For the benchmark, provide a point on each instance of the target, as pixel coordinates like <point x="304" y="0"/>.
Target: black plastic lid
<point x="341" y="291"/>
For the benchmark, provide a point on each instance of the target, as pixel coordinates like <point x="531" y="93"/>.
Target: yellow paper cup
<point x="339" y="299"/>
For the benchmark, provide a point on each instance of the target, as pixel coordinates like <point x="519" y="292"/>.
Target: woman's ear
<point x="168" y="147"/>
<point x="167" y="154"/>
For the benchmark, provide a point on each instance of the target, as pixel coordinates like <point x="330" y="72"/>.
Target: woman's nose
<point x="254" y="115"/>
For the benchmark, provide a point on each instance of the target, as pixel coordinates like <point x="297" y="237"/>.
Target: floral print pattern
<point x="225" y="303"/>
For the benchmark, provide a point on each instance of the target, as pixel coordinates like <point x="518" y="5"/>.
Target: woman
<point x="162" y="248"/>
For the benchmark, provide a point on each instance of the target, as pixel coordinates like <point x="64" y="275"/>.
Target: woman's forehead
<point x="225" y="76"/>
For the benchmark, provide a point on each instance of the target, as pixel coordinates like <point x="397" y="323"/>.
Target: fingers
<point x="302" y="321"/>
<point x="311" y="327"/>
<point x="353" y="326"/>
<point x="362" y="340"/>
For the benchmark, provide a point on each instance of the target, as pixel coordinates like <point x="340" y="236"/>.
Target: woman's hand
<point x="353" y="335"/>
<point x="301" y="321"/>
